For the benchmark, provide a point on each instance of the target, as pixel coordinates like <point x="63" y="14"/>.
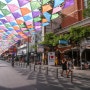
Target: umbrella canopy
<point x="18" y="17"/>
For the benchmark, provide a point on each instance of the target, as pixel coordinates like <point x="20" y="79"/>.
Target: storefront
<point x="21" y="52"/>
<point x="85" y="53"/>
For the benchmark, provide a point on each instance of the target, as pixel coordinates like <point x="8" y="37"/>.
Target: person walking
<point x="64" y="66"/>
<point x="69" y="66"/>
<point x="56" y="61"/>
<point x="13" y="60"/>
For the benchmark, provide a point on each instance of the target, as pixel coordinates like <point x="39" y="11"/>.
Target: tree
<point x="75" y="35"/>
<point x="49" y="40"/>
<point x="79" y="33"/>
<point x="86" y="12"/>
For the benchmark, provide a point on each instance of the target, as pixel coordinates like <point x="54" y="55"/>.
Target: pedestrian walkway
<point x="22" y="78"/>
<point x="10" y="79"/>
<point x="81" y="80"/>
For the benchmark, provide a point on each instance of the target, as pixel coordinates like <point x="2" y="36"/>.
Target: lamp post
<point x="28" y="51"/>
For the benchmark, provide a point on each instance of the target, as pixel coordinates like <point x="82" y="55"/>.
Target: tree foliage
<point x="86" y="12"/>
<point x="76" y="34"/>
<point x="50" y="39"/>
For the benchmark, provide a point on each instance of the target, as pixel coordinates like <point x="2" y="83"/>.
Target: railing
<point x="80" y="23"/>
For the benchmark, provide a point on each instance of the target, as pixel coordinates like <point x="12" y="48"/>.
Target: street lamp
<point x="28" y="51"/>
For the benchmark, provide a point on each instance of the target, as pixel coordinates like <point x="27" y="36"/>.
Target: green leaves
<point x="50" y="39"/>
<point x="86" y="12"/>
<point x="76" y="34"/>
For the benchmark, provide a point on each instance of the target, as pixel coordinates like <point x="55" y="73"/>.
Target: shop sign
<point x="65" y="42"/>
<point x="51" y="58"/>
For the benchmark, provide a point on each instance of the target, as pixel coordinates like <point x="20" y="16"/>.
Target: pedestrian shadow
<point x="39" y="87"/>
<point x="44" y="81"/>
<point x="83" y="77"/>
<point x="32" y="75"/>
<point x="22" y="70"/>
<point x="61" y="82"/>
<point x="51" y="82"/>
<point x="82" y="81"/>
<point x="82" y="86"/>
<point x="26" y="87"/>
<point x="3" y="66"/>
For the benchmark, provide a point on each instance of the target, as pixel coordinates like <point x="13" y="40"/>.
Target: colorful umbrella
<point x="21" y="18"/>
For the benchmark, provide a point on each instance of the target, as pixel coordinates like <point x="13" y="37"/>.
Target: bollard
<point x="26" y="65"/>
<point x="17" y="63"/>
<point x="34" y="67"/>
<point x="71" y="76"/>
<point x="46" y="70"/>
<point x="39" y="68"/>
<point x="21" y="64"/>
<point x="30" y="66"/>
<point x="12" y="63"/>
<point x="56" y="72"/>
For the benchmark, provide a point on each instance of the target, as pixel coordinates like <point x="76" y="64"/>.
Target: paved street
<point x="22" y="78"/>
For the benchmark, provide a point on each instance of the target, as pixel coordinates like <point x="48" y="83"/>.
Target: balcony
<point x="84" y="22"/>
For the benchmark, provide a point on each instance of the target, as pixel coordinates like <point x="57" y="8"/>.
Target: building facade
<point x="73" y="13"/>
<point x="72" y="16"/>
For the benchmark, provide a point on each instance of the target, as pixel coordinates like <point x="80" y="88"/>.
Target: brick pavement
<point x="81" y="78"/>
<point x="42" y="81"/>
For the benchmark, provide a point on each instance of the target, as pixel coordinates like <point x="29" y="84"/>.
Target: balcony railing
<point x="84" y="22"/>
